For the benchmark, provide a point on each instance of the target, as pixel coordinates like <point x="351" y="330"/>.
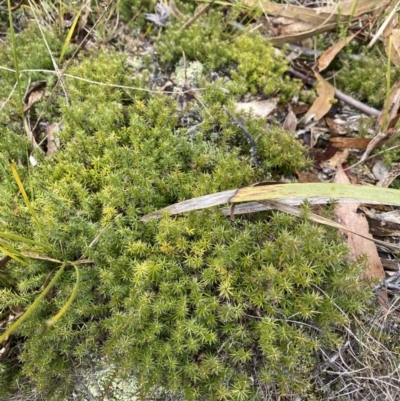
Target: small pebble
<point x="380" y="170"/>
<point x="322" y="177"/>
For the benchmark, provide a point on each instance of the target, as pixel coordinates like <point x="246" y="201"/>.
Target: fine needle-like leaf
<point x="33" y="306"/>
<point x="26" y="199"/>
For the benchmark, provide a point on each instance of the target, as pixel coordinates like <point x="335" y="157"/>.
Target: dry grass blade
<point x="195" y="17"/>
<point x="312" y="21"/>
<point x="386" y="27"/>
<point x="389" y="114"/>
<point x="201" y="202"/>
<point x="33" y="255"/>
<point x="334" y="13"/>
<point x="387" y="119"/>
<point x="388" y="179"/>
<point x="320" y="193"/>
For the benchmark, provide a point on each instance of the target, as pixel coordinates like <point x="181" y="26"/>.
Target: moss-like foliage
<point x="206" y="40"/>
<point x="365" y="78"/>
<point x="204" y="307"/>
<point x="259" y="69"/>
<point x="250" y="61"/>
<point x="199" y="305"/>
<point x="129" y="9"/>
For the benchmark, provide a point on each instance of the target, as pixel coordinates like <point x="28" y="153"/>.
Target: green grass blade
<point x="33" y="306"/>
<point x="12" y="253"/>
<point x="73" y="295"/>
<point x="26" y="199"/>
<point x="69" y="36"/>
<point x="19" y="238"/>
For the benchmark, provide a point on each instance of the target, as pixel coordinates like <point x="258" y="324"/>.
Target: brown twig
<point x="250" y="140"/>
<point x="199" y="13"/>
<point x="13" y="8"/>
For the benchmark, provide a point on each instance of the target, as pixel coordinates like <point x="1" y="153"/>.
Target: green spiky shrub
<point x="250" y="62"/>
<point x="204" y="307"/>
<point x="365" y="78"/>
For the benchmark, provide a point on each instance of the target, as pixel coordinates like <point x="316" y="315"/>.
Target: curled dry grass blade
<point x="73" y="295"/>
<point x="33" y="306"/>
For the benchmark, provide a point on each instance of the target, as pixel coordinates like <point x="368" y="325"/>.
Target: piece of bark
<point x="383" y="228"/>
<point x="350" y="143"/>
<point x="346" y="214"/>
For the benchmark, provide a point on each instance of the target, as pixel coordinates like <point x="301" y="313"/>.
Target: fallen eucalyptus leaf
<point x="329" y="54"/>
<point x="323" y="103"/>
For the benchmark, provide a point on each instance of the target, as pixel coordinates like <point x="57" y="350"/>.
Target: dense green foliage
<point x="365" y="78"/>
<point x="198" y="304"/>
<point x="187" y="302"/>
<point x="253" y="66"/>
<point x="34" y="60"/>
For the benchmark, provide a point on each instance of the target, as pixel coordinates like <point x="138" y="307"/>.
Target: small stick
<point x="250" y="140"/>
<point x="13" y="8"/>
<point x="199" y="13"/>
